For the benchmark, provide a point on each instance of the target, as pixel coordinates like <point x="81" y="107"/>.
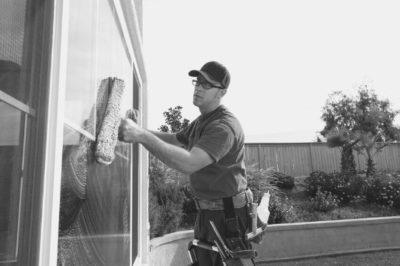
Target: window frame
<point x="125" y="15"/>
<point x="37" y="38"/>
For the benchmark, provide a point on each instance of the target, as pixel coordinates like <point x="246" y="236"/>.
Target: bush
<point x="165" y="199"/>
<point x="280" y="211"/>
<point x="259" y="181"/>
<point x="165" y="210"/>
<point x="384" y="189"/>
<point x="188" y="208"/>
<point x="283" y="181"/>
<point x="324" y="201"/>
<point x="345" y="187"/>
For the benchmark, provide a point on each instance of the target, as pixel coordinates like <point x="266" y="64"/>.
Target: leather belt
<point x="239" y="201"/>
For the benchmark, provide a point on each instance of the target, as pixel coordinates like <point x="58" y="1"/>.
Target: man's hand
<point x="129" y="131"/>
<point x="133" y="114"/>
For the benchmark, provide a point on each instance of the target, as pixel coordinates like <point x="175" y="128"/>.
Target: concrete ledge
<point x="170" y="249"/>
<point x="176" y="236"/>
<point x="285" y="242"/>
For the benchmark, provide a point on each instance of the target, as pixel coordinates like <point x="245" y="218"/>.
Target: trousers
<point x="204" y="232"/>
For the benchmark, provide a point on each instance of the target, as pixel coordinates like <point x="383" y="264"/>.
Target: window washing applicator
<point x="107" y="137"/>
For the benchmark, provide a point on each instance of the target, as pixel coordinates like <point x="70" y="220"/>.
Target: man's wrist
<point x="141" y="136"/>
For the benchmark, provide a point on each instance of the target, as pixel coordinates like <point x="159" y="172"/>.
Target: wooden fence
<point x="299" y="159"/>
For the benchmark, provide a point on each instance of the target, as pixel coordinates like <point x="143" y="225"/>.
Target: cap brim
<point x="196" y="73"/>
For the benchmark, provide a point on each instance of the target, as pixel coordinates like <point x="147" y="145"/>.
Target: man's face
<point x="204" y="93"/>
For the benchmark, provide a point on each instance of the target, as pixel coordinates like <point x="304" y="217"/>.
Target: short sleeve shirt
<point x="219" y="134"/>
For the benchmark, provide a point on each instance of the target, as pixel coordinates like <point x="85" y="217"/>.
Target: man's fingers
<point x="133" y="114"/>
<point x="127" y="130"/>
<point x="121" y="130"/>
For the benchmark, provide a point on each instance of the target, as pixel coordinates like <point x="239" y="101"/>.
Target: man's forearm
<point x="173" y="156"/>
<point x="167" y="137"/>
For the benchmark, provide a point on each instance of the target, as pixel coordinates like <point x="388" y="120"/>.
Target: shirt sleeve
<point x="216" y="140"/>
<point x="183" y="135"/>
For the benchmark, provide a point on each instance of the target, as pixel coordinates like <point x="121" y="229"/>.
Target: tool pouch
<point x="234" y="228"/>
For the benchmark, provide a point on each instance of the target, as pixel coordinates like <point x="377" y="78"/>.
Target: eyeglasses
<point x="206" y="85"/>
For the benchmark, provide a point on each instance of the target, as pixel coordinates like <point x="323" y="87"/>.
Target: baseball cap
<point x="215" y="73"/>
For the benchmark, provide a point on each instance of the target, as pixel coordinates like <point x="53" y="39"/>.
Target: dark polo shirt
<point x="220" y="135"/>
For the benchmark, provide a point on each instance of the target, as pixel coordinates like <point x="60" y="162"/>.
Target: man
<point x="213" y="156"/>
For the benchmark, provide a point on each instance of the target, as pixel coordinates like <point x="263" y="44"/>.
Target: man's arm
<point x="167" y="137"/>
<point x="173" y="156"/>
<point x="133" y="114"/>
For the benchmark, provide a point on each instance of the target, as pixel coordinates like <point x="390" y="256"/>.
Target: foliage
<point x="188" y="207"/>
<point x="173" y="120"/>
<point x="171" y="205"/>
<point x="280" y="209"/>
<point x="260" y="181"/>
<point x="363" y="123"/>
<point x="324" y="201"/>
<point x="344" y="186"/>
<point x="338" y="115"/>
<point x="165" y="199"/>
<point x="384" y="189"/>
<point x="283" y="181"/>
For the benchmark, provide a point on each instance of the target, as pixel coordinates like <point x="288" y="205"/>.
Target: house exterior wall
<point x="48" y="141"/>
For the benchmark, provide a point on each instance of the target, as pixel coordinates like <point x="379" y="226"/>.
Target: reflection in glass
<point x="11" y="146"/>
<point x="94" y="230"/>
<point x="95" y="199"/>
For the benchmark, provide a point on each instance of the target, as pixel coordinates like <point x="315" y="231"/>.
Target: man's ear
<point x="222" y="92"/>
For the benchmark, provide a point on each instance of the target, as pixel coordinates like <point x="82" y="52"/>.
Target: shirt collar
<point x="216" y="110"/>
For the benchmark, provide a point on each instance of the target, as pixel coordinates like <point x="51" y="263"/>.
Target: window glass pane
<point x="94" y="229"/>
<point x="111" y="56"/>
<point x="80" y="85"/>
<point x="11" y="121"/>
<point x="12" y="32"/>
<point x="95" y="198"/>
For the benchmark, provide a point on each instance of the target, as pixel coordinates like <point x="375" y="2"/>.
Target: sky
<point x="285" y="58"/>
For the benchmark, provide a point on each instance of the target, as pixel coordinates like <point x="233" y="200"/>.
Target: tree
<point x="173" y="120"/>
<point x="375" y="129"/>
<point x="363" y="123"/>
<point x="338" y="114"/>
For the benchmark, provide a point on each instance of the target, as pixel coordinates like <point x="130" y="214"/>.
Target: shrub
<point x="259" y="181"/>
<point x="154" y="216"/>
<point x="316" y="180"/>
<point x="188" y="208"/>
<point x="165" y="199"/>
<point x="345" y="186"/>
<point x="280" y="211"/>
<point x="165" y="210"/>
<point x="324" y="201"/>
<point x="283" y="181"/>
<point x="384" y="189"/>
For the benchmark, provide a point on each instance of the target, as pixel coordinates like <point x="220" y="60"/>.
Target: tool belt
<point x="231" y="244"/>
<point x="239" y="200"/>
